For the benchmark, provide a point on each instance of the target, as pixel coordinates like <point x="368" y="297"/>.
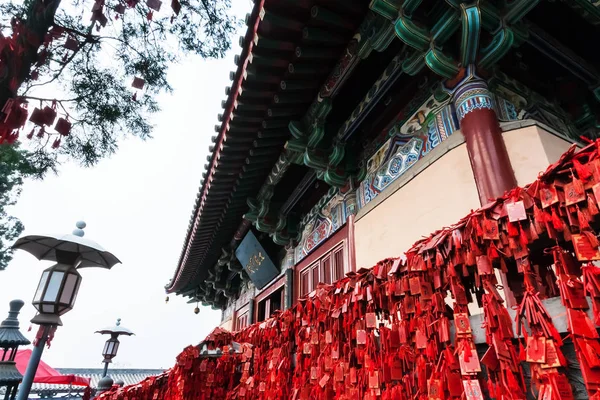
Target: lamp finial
<point x="79" y="231"/>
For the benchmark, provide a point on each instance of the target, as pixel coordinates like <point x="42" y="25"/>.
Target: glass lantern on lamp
<point x="111" y="347"/>
<point x="56" y="294"/>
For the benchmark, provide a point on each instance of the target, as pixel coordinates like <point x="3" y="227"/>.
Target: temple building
<point x="351" y="129"/>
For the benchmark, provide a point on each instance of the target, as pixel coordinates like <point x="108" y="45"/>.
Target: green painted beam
<point x="499" y="46"/>
<point x="471" y="28"/>
<point x="412" y="34"/>
<point x="386" y="8"/>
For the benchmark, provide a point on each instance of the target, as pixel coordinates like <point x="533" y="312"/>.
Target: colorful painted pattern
<point x="473" y="96"/>
<point x="404" y="152"/>
<point x="505" y="110"/>
<point x="328" y="215"/>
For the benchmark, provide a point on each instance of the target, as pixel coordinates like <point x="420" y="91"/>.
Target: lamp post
<point x="59" y="284"/>
<point x="10" y="340"/>
<point x="111" y="347"/>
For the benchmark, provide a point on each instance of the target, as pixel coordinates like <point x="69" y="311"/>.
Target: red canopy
<point x="47" y="374"/>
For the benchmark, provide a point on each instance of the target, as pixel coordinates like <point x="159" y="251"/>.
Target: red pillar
<point x="479" y="125"/>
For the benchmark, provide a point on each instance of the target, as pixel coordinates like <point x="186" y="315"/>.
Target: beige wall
<point x="531" y="150"/>
<point x="440" y="195"/>
<point x="227" y="325"/>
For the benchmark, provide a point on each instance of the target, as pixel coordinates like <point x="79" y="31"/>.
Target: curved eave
<point x="176" y="282"/>
<point x="254" y="124"/>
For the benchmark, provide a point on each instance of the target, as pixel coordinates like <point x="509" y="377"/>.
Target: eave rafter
<point x="275" y="80"/>
<point x="309" y="131"/>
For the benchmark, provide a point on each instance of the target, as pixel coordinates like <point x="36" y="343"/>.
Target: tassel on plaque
<point x="583" y="171"/>
<point x="533" y="234"/>
<point x="592" y="239"/>
<point x="176" y="6"/>
<point x="522" y="236"/>
<point x="513" y="231"/>
<point x="556" y="221"/>
<point x="577" y="184"/>
<point x="538" y="214"/>
<point x="582" y="219"/>
<point x="592" y="206"/>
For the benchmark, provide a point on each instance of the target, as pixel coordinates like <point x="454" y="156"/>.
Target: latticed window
<point x="242" y="321"/>
<point x="327" y="269"/>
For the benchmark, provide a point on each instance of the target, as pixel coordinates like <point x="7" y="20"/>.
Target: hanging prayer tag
<point x="584" y="249"/>
<point x="154" y="4"/>
<point x="420" y="339"/>
<point x="38" y="117"/>
<point x="562" y="386"/>
<point x="306" y="349"/>
<point x="490" y="229"/>
<point x="63" y="127"/>
<point x="516" y="211"/>
<point x="324" y="380"/>
<point x="415" y="285"/>
<point x="339" y="373"/>
<point x="472" y="389"/>
<point x="374" y="380"/>
<point x="548" y="195"/>
<point x="71" y="44"/>
<point x="484" y="266"/>
<point x="454" y="384"/>
<point x="361" y="336"/>
<point x="572" y="196"/>
<point x="536" y="349"/>
<point x="395" y="266"/>
<point x="461" y="321"/>
<point x="371" y="320"/>
<point x="490" y="360"/>
<point x="176" y="6"/>
<point x="469" y="365"/>
<point x="138" y="83"/>
<point x="435" y="390"/>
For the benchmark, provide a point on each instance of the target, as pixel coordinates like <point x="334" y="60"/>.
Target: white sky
<point x="137" y="205"/>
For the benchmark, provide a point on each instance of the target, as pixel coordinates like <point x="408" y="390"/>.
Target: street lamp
<point x="10" y="340"/>
<point x="56" y="293"/>
<point x="59" y="284"/>
<point x="111" y="347"/>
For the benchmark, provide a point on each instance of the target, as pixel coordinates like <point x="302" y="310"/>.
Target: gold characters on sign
<point x="255" y="262"/>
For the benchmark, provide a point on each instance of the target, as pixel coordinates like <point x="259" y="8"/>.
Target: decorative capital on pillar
<point x="471" y="96"/>
<point x="289" y="260"/>
<point x="350" y="203"/>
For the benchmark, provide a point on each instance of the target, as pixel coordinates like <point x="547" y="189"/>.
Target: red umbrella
<point x="47" y="374"/>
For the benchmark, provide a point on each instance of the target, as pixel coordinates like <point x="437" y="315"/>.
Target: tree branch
<point x="64" y="65"/>
<point x="37" y="24"/>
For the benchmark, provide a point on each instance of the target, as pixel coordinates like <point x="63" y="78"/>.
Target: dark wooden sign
<point x="256" y="262"/>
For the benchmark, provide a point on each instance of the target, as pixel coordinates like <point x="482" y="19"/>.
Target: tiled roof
<point x="129" y="376"/>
